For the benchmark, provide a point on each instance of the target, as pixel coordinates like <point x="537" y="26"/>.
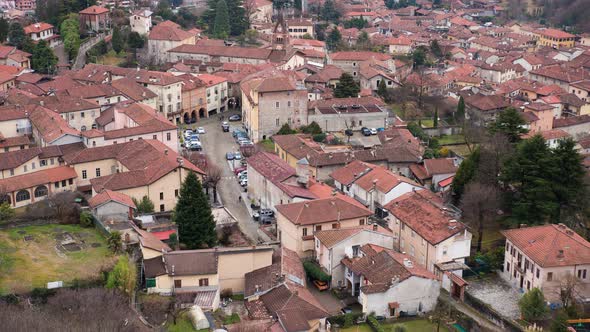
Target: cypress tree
<point x="460" y="115"/>
<point x="192" y="214"/>
<point x="347" y="87"/>
<point x="221" y="28"/>
<point x="382" y="89"/>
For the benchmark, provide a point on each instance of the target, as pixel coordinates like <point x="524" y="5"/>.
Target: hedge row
<point x="374" y="324"/>
<point x="315" y="272"/>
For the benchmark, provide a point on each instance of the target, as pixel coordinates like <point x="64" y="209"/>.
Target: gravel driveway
<point x="497" y="293"/>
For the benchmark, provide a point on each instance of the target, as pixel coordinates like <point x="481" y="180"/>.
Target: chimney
<point x="42" y="103"/>
<point x="165" y="152"/>
<point x="375" y="227"/>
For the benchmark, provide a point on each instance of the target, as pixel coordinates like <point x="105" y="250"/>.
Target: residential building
<point x="262" y="11"/>
<point x="371" y="185"/>
<point x="128" y="121"/>
<point x="165" y="37"/>
<point x="95" y="19"/>
<point x="110" y="205"/>
<point x="339" y="114"/>
<point x="42" y="31"/>
<point x="194" y="98"/>
<point x="49" y="128"/>
<point x="223" y="54"/>
<point x="271" y="181"/>
<point x="297" y="222"/>
<point x="26" y="5"/>
<point x="556" y="38"/>
<point x="141" y="21"/>
<point x="279" y="291"/>
<point x="11" y="56"/>
<point x="390" y="284"/>
<point x="216" y="93"/>
<point x="332" y="246"/>
<point x="432" y="171"/>
<point x="349" y="61"/>
<point x="185" y="273"/>
<point x="79" y="114"/>
<point x="299" y="27"/>
<point x="25" y="189"/>
<point x="270" y="99"/>
<point x="143" y="167"/>
<point x="484" y="109"/>
<point x="429" y="232"/>
<point x="372" y="73"/>
<point x="545" y="257"/>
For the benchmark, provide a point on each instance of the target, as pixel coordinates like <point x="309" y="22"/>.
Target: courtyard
<point x="492" y="290"/>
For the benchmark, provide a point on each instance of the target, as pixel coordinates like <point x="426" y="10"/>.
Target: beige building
<point x="25" y="189"/>
<point x="299" y="27"/>
<point x="270" y="99"/>
<point x="545" y="257"/>
<point x="297" y="222"/>
<point x="166" y="36"/>
<point x="223" y="54"/>
<point x="429" y="232"/>
<point x="350" y="61"/>
<point x="137" y="168"/>
<point x="141" y="21"/>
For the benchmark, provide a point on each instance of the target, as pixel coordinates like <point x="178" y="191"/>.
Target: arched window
<point x="23" y="195"/>
<point x="41" y="191"/>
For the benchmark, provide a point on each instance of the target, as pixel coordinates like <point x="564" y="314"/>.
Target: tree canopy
<point x="346" y="87"/>
<point x="511" y="124"/>
<point x="43" y="60"/>
<point x="221" y="27"/>
<point x="532" y="305"/>
<point x="192" y="214"/>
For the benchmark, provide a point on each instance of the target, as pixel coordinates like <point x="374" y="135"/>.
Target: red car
<point x="239" y="170"/>
<point x="321" y="285"/>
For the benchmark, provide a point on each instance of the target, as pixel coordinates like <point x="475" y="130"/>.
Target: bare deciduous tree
<point x="480" y="206"/>
<point x="91" y="309"/>
<point x="213" y="178"/>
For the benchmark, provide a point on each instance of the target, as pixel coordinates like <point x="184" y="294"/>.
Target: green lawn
<point x="268" y="145"/>
<point x="461" y="150"/>
<point x="419" y="325"/>
<point x="451" y="139"/>
<point x="112" y="58"/>
<point x="427" y="123"/>
<point x="29" y="256"/>
<point x="182" y="324"/>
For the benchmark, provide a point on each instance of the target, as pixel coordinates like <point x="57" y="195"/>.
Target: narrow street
<point x="215" y="144"/>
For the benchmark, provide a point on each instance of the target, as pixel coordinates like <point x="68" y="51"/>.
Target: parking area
<point x="216" y="143"/>
<point x="330" y="302"/>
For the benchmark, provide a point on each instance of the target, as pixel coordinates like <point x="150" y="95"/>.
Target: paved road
<point x="80" y="60"/>
<point x="60" y="52"/>
<point x="215" y="144"/>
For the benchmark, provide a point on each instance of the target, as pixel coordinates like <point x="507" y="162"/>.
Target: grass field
<point x="419" y="325"/>
<point x="32" y="256"/>
<point x="112" y="59"/>
<point x="450" y="139"/>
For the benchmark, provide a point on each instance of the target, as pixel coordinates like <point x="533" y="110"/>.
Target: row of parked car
<point x="192" y="140"/>
<point x="370" y="131"/>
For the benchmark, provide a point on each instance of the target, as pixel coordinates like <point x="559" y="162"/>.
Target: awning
<point x="458" y="280"/>
<point x="393" y="305"/>
<point x="164" y="235"/>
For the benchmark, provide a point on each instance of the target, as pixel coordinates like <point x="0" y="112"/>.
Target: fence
<point x="443" y="130"/>
<point x="491" y="314"/>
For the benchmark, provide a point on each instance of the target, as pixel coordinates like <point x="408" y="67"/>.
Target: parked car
<point x="346" y="310"/>
<point x="229" y="156"/>
<point x="244" y="182"/>
<point x="196" y="146"/>
<point x="195" y="137"/>
<point x="243" y="175"/>
<point x="235" y="117"/>
<point x="266" y="220"/>
<point x="348" y="132"/>
<point x="237" y="156"/>
<point x="366" y="131"/>
<point x="246" y="143"/>
<point x="320" y="285"/>
<point x="225" y="127"/>
<point x="264" y="212"/>
<point x="373" y="131"/>
<point x="201" y="130"/>
<point x="187" y="133"/>
<point x="239" y="170"/>
<point x="236" y="132"/>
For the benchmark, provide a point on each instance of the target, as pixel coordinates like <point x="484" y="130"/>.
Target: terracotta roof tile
<point x="109" y="195"/>
<point x="322" y="211"/>
<point x="30" y="180"/>
<point x="37" y="27"/>
<point x="165" y="31"/>
<point x="550" y="245"/>
<point x="94" y="10"/>
<point x="423" y="212"/>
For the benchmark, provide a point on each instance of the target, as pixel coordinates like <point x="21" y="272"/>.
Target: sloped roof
<point x="108" y="196"/>
<point x="423" y="212"/>
<point x="30" y="180"/>
<point x="322" y="211"/>
<point x="550" y="245"/>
